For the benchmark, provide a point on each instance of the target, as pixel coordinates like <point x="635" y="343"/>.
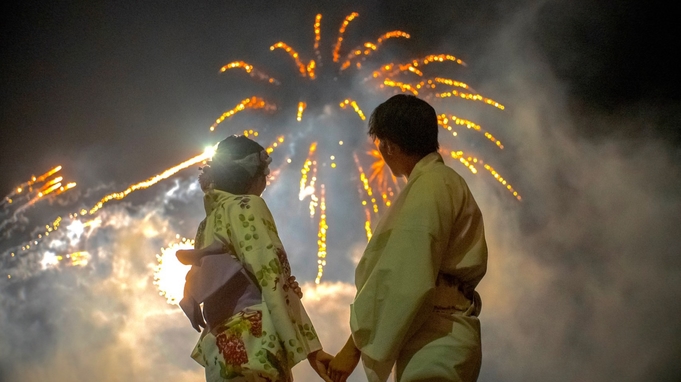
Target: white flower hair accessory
<point x="255" y="161"/>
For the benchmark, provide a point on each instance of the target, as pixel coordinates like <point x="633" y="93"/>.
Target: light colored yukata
<point x="263" y="340"/>
<point x="416" y="306"/>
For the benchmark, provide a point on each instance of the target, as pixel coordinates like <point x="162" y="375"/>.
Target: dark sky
<point x="102" y="87"/>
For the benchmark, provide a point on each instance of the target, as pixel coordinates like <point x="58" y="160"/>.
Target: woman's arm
<point x="194" y="256"/>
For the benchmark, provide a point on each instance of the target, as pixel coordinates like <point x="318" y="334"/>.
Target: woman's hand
<point x="189" y="256"/>
<point x="194" y="256"/>
<point x="319" y="361"/>
<point x="344" y="363"/>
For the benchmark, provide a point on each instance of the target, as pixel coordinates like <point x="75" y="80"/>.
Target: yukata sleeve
<point x="248" y="227"/>
<point x="389" y="306"/>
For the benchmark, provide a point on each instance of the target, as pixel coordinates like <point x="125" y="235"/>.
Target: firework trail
<point x="26" y="195"/>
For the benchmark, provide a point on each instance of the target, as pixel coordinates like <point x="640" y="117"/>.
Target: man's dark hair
<point x="407" y="121"/>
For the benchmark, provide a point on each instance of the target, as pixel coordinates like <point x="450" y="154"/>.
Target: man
<point x="416" y="306"/>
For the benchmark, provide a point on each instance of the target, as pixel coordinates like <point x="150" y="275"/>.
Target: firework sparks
<point x="470" y="161"/>
<point x="355" y="107"/>
<point x="341" y="31"/>
<point x="317" y="35"/>
<point x="169" y="273"/>
<point x="371" y="47"/>
<point x="321" y="236"/>
<point x="250" y="70"/>
<point x="301" y="107"/>
<point x="305" y="70"/>
<point x="28" y="194"/>
<point x="443" y="121"/>
<point x="381" y="174"/>
<point x="249" y="103"/>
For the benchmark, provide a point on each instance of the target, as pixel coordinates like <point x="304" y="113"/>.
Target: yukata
<point x="416" y="306"/>
<point x="266" y="330"/>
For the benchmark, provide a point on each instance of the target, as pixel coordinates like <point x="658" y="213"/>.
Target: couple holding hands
<point x="416" y="309"/>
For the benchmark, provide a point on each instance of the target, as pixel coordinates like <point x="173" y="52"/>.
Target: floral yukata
<point x="416" y="306"/>
<point x="261" y="342"/>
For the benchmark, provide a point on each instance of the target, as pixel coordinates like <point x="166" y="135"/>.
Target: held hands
<point x="344" y="363"/>
<point x="319" y="361"/>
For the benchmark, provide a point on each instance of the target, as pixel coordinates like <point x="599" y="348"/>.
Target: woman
<point x="256" y="328"/>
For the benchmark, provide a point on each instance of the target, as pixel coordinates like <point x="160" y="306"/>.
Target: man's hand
<point x="319" y="361"/>
<point x="343" y="364"/>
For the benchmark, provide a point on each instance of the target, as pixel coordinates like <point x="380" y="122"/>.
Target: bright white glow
<point x="50" y="259"/>
<point x="169" y="274"/>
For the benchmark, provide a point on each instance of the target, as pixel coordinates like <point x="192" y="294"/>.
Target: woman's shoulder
<point x="245" y="203"/>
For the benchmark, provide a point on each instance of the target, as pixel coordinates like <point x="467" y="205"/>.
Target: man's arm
<point x="344" y="362"/>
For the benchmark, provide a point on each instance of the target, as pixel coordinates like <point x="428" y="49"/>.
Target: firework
<point x="377" y="190"/>
<point x="169" y="273"/>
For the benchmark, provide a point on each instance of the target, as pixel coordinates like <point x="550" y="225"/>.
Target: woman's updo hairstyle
<point x="224" y="173"/>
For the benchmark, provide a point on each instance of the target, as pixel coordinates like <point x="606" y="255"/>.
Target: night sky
<point x="103" y="87"/>
<point x="585" y="273"/>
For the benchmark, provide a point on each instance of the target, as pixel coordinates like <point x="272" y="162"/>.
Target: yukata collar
<point x="425" y="164"/>
<point x="213" y="198"/>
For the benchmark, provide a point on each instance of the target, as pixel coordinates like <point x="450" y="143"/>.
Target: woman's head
<point x="239" y="166"/>
<point x="408" y="122"/>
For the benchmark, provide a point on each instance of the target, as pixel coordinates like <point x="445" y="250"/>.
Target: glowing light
<point x="321" y="237"/>
<point x="368" y="191"/>
<point x="341" y="31"/>
<point x="470" y="97"/>
<point x="450" y="82"/>
<point x="371" y="47"/>
<point x="503" y="181"/>
<point x="403" y="86"/>
<point x="250" y="70"/>
<point x="79" y="259"/>
<point x="301" y="107"/>
<point x="273" y="145"/>
<point x="304" y="70"/>
<point x="307" y="188"/>
<point x="169" y="273"/>
<point x="380" y="172"/>
<point x="444" y="121"/>
<point x="317" y="35"/>
<point x="354" y="105"/>
<point x="466" y="161"/>
<point x="248" y="103"/>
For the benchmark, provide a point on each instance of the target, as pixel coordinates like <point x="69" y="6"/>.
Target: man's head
<point x="407" y="121"/>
